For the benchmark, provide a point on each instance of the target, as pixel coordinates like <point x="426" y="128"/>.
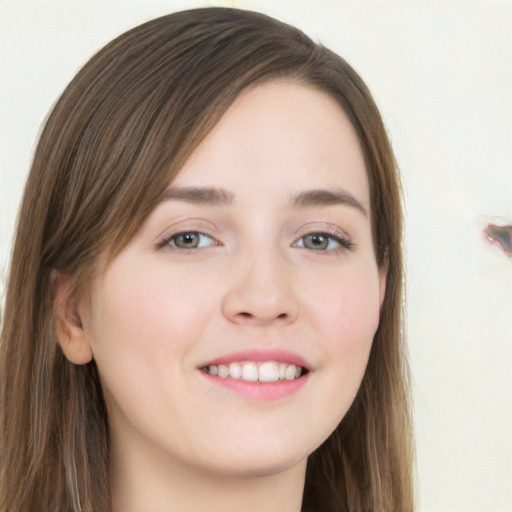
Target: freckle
<point x="501" y="236"/>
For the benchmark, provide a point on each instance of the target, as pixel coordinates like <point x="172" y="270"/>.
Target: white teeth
<point x="235" y="370"/>
<point x="289" y="374"/>
<point x="249" y="372"/>
<point x="269" y="371"/>
<point x="223" y="371"/>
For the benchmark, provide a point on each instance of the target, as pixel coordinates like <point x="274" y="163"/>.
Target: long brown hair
<point x="116" y="138"/>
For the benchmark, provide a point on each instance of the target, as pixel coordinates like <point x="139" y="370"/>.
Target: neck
<point x="144" y="480"/>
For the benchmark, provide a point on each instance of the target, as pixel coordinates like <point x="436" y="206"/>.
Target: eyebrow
<point x="321" y="197"/>
<point x="307" y="199"/>
<point x="199" y="195"/>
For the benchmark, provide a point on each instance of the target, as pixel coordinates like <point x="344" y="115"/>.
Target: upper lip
<point x="259" y="356"/>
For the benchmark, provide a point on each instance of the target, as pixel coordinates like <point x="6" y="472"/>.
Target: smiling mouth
<point x="251" y="371"/>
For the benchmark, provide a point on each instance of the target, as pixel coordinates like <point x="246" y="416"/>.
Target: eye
<point x="189" y="240"/>
<point x="323" y="242"/>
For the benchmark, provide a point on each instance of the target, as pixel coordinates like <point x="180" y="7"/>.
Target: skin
<point x="160" y="312"/>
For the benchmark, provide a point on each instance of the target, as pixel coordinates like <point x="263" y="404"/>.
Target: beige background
<point x="441" y="72"/>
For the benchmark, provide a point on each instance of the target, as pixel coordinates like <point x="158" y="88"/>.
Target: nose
<point x="261" y="291"/>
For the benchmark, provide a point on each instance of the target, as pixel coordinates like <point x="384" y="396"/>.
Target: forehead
<point x="280" y="138"/>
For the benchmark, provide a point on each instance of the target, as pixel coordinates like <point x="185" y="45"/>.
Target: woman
<point x="204" y="307"/>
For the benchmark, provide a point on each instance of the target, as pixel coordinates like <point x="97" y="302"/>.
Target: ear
<point x="68" y="324"/>
<point x="383" y="277"/>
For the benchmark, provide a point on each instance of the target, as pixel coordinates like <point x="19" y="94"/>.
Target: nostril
<point x="249" y="316"/>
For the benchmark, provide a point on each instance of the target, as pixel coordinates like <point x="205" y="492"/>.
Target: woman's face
<point x="259" y="258"/>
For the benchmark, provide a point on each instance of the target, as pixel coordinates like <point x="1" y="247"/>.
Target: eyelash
<point x="343" y="242"/>
<point x="169" y="240"/>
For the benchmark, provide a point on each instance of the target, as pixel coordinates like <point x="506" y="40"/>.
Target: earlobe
<point x="69" y="329"/>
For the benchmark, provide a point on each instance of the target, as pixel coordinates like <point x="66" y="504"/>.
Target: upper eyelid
<point x="324" y="228"/>
<point x="187" y="225"/>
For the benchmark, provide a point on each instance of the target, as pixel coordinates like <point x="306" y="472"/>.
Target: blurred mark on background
<point x="501" y="236"/>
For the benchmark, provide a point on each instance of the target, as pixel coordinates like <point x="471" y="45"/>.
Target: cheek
<point x="349" y="311"/>
<point x="347" y="321"/>
<point x="151" y="313"/>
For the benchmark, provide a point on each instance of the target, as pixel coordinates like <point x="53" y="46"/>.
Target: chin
<point x="258" y="469"/>
<point x="261" y="461"/>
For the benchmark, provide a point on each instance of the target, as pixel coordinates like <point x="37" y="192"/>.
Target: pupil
<point x="189" y="239"/>
<point x="317" y="241"/>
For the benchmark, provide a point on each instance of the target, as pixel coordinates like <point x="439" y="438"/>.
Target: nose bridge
<point x="261" y="289"/>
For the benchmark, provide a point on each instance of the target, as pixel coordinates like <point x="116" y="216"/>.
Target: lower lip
<point x="260" y="390"/>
